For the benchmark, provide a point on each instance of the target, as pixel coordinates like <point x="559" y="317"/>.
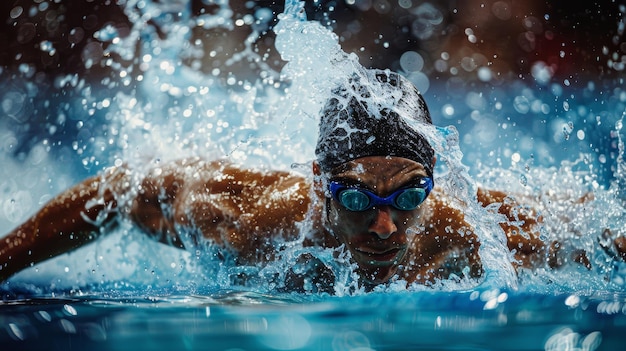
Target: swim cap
<point x="373" y="114"/>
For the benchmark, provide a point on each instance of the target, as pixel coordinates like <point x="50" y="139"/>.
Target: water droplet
<point x="16" y="12"/>
<point x="411" y="61"/>
<point x="567" y="130"/>
<point x="70" y="310"/>
<point x="523" y="180"/>
<point x="16" y="331"/>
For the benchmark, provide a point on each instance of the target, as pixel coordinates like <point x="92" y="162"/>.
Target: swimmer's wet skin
<point x="372" y="193"/>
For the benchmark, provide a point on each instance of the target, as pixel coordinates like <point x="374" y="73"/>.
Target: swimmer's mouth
<point x="378" y="256"/>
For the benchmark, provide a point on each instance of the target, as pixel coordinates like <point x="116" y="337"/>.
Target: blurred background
<point x="525" y="82"/>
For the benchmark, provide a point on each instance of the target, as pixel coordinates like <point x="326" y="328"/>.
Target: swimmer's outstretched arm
<point x="237" y="209"/>
<point x="72" y="219"/>
<point x="523" y="237"/>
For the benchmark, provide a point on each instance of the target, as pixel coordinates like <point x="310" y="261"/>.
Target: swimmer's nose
<point x="382" y="224"/>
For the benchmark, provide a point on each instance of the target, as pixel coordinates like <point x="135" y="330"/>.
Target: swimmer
<point x="372" y="193"/>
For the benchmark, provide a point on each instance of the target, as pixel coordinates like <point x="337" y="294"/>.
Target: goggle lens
<point x="354" y="200"/>
<point x="410" y="198"/>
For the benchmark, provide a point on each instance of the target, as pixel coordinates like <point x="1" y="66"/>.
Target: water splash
<point x="619" y="183"/>
<point x="457" y="183"/>
<point x="176" y="110"/>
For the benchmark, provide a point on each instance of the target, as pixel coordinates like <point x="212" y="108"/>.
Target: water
<point x="153" y="90"/>
<point x="248" y="321"/>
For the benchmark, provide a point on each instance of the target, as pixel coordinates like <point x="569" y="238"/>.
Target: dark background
<point x="579" y="42"/>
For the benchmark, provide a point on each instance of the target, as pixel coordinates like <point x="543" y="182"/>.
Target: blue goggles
<point x="358" y="199"/>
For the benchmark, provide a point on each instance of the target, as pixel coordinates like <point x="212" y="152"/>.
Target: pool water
<point x="476" y="320"/>
<point x="545" y="140"/>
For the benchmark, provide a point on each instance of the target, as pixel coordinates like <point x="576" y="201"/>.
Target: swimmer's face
<point x="376" y="237"/>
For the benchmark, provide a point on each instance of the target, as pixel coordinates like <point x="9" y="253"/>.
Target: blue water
<point x="478" y="320"/>
<point x="531" y="136"/>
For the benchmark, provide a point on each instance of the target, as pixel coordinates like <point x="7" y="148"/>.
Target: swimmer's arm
<point x="521" y="227"/>
<point x="72" y="219"/>
<point x="523" y="237"/>
<point x="152" y="208"/>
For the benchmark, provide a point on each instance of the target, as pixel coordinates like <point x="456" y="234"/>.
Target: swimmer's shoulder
<point x="439" y="206"/>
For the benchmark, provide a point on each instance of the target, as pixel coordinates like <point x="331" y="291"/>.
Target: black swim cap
<point x="371" y="115"/>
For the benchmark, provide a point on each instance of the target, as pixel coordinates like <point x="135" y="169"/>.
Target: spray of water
<point x="271" y="122"/>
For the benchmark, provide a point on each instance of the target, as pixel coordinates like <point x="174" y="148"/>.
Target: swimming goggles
<point x="358" y="199"/>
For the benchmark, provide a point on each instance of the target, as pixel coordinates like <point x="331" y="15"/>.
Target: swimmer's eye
<point x="357" y="199"/>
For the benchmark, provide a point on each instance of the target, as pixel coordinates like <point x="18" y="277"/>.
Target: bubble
<point x="70" y="310"/>
<point x="168" y="67"/>
<point x="92" y="53"/>
<point x="475" y="101"/>
<point x="67" y="326"/>
<point x="44" y="316"/>
<point x="411" y="61"/>
<point x="502" y="10"/>
<point x="405" y="4"/>
<point x="567" y="130"/>
<point x="47" y="46"/>
<point x="16" y="12"/>
<point x="264" y="14"/>
<point x="16" y="332"/>
<point x="542" y="72"/>
<point x="76" y="35"/>
<point x="382" y="6"/>
<point x="17" y="205"/>
<point x="468" y="63"/>
<point x="428" y="17"/>
<point x="441" y="65"/>
<point x="567" y="339"/>
<point x="533" y="24"/>
<point x="572" y="301"/>
<point x="523" y="180"/>
<point x="565" y="106"/>
<point x="420" y="80"/>
<point x="447" y="111"/>
<point x="484" y="74"/>
<point x="13" y="103"/>
<point x="515" y="157"/>
<point x="26" y="32"/>
<point x="527" y="41"/>
<point x="521" y="104"/>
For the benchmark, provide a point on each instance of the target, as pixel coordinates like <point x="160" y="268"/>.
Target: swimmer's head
<point x="374" y="114"/>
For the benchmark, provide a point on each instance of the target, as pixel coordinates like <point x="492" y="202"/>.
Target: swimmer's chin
<point x="377" y="278"/>
<point x="374" y="272"/>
